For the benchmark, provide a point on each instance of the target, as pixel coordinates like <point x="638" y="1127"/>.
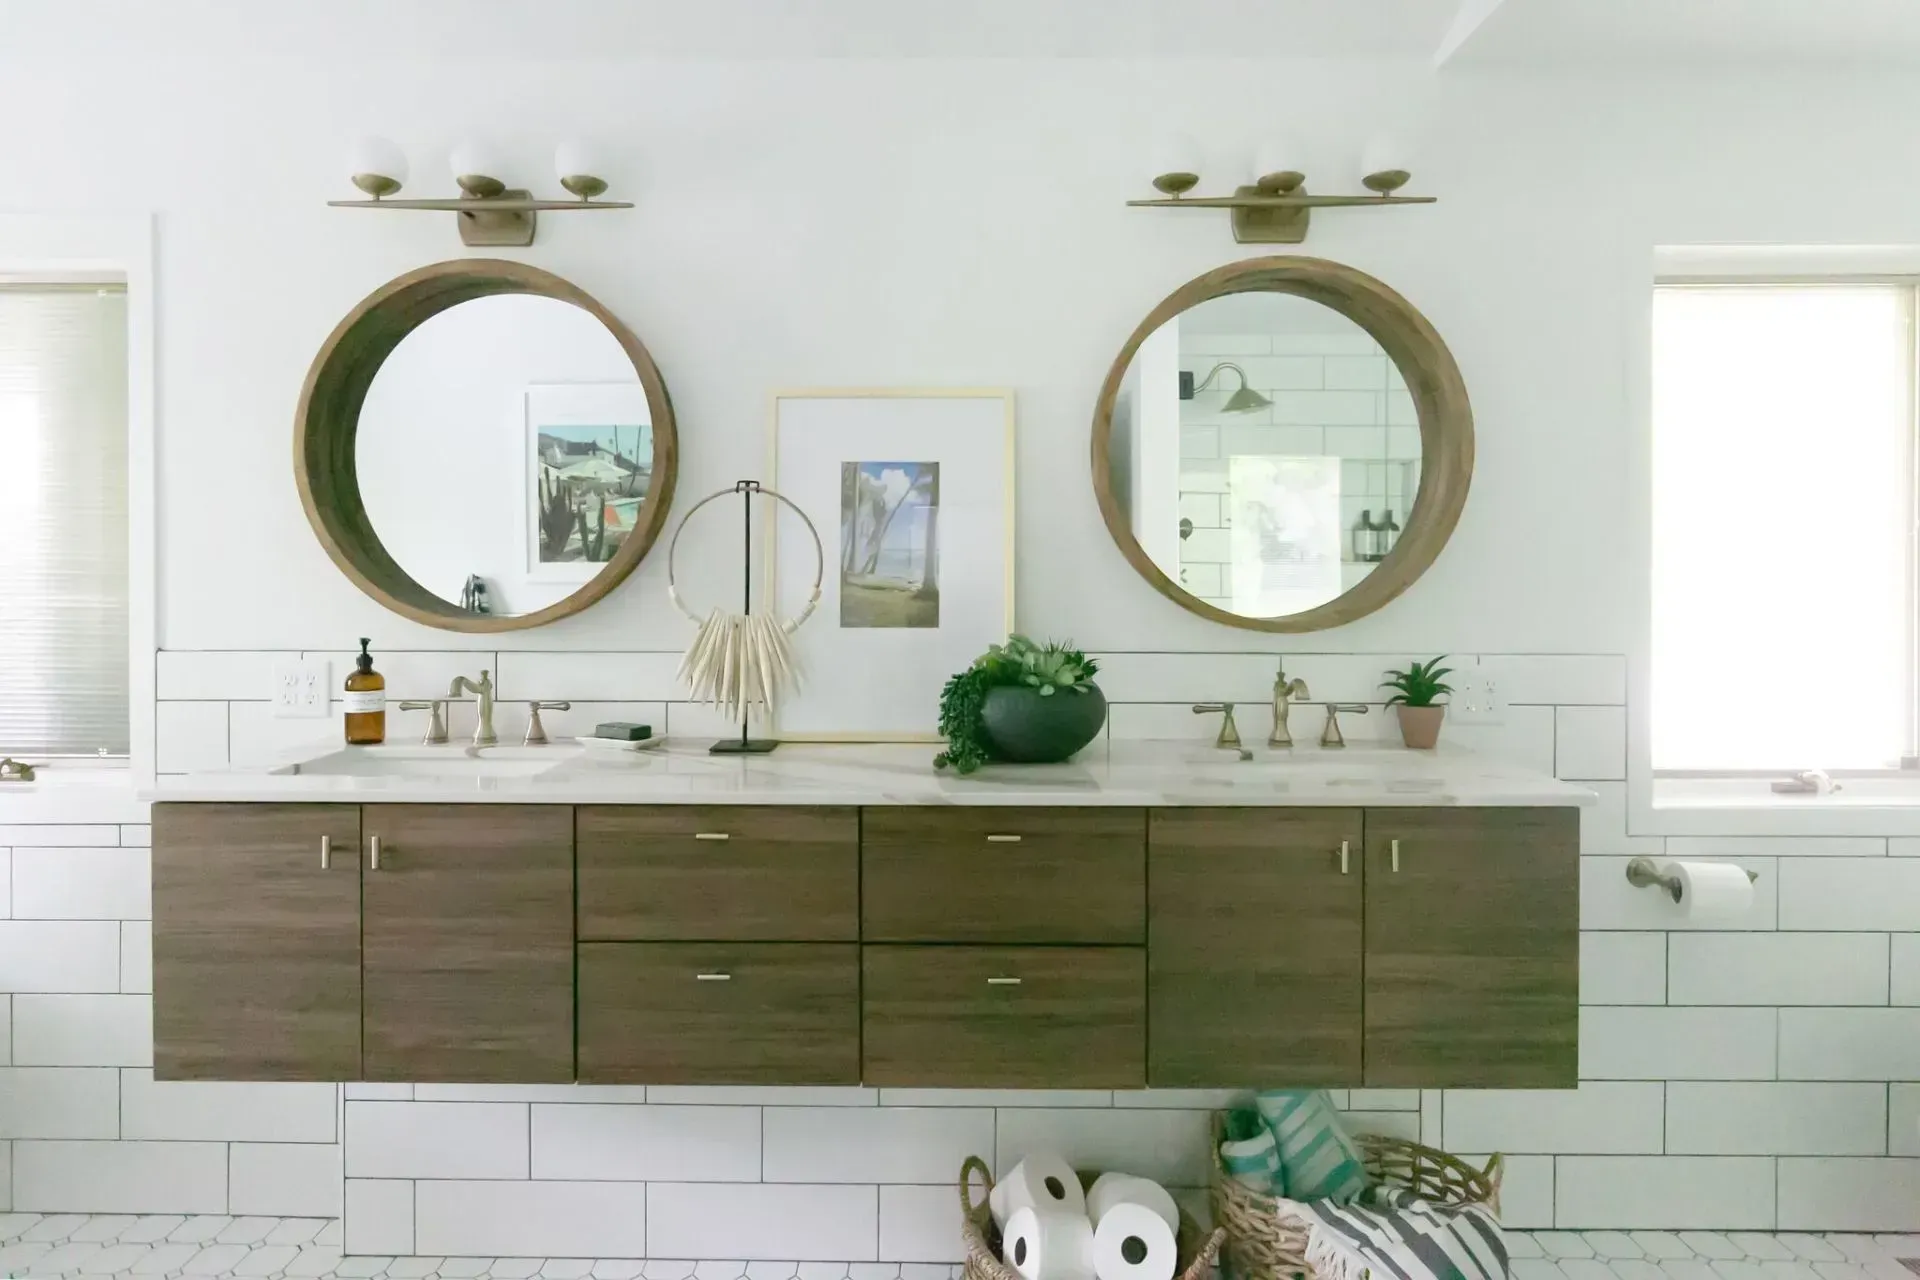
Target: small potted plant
<point x="1415" y="691"/>
<point x="1021" y="702"/>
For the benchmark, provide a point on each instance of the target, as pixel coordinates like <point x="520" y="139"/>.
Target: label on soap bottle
<point x="361" y="701"/>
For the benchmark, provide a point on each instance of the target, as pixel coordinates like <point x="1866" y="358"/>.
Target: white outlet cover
<point x="302" y="689"/>
<point x="1476" y="699"/>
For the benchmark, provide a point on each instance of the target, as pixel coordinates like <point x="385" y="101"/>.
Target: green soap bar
<point x="621" y="731"/>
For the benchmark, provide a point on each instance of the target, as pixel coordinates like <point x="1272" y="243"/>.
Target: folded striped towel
<point x="1393" y="1234"/>
<point x="1249" y="1154"/>
<point x="1318" y="1159"/>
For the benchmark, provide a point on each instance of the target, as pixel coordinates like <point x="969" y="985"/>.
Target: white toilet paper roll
<point x="1711" y="891"/>
<point x="1041" y="1181"/>
<point x="1050" y="1244"/>
<point x="1110" y="1189"/>
<point x="1133" y="1242"/>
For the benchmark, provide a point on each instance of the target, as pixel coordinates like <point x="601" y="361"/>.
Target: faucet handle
<point x="437" y="726"/>
<point x="537" y="732"/>
<point x="1229" y="732"/>
<point x="1331" y="735"/>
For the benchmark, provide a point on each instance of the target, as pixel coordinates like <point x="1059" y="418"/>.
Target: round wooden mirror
<point x="1284" y="444"/>
<point x="481" y="446"/>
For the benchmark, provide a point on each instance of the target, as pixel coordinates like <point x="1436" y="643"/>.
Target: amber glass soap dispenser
<point x="366" y="702"/>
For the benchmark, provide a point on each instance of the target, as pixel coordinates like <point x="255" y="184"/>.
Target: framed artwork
<point x="589" y="462"/>
<point x="912" y="494"/>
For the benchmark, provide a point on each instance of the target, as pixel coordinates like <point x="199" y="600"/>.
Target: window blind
<point x="63" y="520"/>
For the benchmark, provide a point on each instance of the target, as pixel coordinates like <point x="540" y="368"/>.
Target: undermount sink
<point x="433" y="762"/>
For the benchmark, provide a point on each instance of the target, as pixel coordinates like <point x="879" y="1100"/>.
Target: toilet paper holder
<point x="1645" y="873"/>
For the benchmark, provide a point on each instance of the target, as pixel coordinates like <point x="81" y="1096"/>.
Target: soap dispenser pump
<point x="366" y="702"/>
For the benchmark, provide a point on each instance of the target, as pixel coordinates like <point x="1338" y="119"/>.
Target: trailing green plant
<point x="1019" y="663"/>
<point x="1419" y="684"/>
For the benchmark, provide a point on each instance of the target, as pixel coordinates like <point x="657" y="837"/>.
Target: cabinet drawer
<point x="1005" y="1017"/>
<point x="719" y="1013"/>
<point x="732" y="873"/>
<point x="1004" y="875"/>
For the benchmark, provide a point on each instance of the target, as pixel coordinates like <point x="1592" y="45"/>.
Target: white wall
<point x="932" y="223"/>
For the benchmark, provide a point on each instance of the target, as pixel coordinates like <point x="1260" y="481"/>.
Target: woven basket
<point x="1267" y="1237"/>
<point x="1198" y="1254"/>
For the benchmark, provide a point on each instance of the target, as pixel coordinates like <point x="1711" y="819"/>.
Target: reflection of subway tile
<point x="1203" y="475"/>
<point x="1309" y="442"/>
<point x="1201" y="579"/>
<point x="1326" y="408"/>
<point x="1201" y="508"/>
<point x="1225" y="344"/>
<point x="1199" y="442"/>
<point x="1400" y="410"/>
<point x="1284" y="373"/>
<point x="1206" y="545"/>
<point x="1402" y="442"/>
<point x="1356" y="373"/>
<point x="1395" y="382"/>
<point x="1354" y="343"/>
<point x="1366" y="444"/>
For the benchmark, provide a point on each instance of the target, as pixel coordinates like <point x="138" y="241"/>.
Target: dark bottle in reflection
<point x="366" y="702"/>
<point x="1389" y="534"/>
<point x="1364" y="532"/>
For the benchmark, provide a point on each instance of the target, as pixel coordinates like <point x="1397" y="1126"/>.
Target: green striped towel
<point x="1318" y="1160"/>
<point x="1392" y="1234"/>
<point x="1249" y="1154"/>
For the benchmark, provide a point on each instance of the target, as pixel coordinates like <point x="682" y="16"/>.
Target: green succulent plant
<point x="1051" y="668"/>
<point x="1419" y="684"/>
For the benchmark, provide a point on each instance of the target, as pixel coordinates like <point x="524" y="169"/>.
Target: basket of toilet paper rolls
<point x="1045" y="1222"/>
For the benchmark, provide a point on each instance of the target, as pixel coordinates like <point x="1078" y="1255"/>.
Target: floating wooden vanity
<point x="936" y="943"/>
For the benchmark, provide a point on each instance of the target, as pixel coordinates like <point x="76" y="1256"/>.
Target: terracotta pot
<point x="1420" y="726"/>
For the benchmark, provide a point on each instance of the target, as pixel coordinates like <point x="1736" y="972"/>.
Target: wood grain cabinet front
<point x="719" y="1013"/>
<point x="468" y="942"/>
<point x="1012" y="875"/>
<point x="1473" y="948"/>
<point x="1254" y="947"/>
<point x="1004" y="1017"/>
<point x="256" y="941"/>
<point x="720" y="873"/>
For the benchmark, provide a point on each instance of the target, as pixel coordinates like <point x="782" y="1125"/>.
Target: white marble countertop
<point x="1123" y="773"/>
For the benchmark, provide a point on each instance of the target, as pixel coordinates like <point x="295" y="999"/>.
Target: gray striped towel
<point x="1392" y="1234"/>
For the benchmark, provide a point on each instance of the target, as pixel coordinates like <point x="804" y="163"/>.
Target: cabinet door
<point x="1473" y="948"/>
<point x="719" y="1013"/>
<point x="256" y="942"/>
<point x="469" y="942"/>
<point x="1004" y="1017"/>
<point x="1254" y="947"/>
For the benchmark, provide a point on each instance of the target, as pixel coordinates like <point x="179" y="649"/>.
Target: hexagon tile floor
<point x="208" y="1248"/>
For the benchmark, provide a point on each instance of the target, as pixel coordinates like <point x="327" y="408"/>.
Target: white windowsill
<point x="1749" y="806"/>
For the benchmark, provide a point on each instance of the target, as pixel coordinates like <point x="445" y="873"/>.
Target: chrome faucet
<point x="1229" y="736"/>
<point x="483" y="734"/>
<point x="1283" y="690"/>
<point x="1331" y="735"/>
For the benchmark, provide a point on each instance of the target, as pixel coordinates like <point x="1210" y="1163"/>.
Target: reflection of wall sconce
<point x="1245" y="400"/>
<point x="490" y="213"/>
<point x="1274" y="208"/>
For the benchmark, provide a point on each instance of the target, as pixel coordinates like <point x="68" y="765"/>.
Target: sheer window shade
<point x="63" y="520"/>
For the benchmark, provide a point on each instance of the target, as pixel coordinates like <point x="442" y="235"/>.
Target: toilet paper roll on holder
<point x="1645" y="873"/>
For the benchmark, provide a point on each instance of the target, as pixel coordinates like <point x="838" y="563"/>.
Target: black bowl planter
<point x="1028" y="727"/>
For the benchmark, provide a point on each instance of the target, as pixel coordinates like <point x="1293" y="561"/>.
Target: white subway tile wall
<point x="1740" y="1076"/>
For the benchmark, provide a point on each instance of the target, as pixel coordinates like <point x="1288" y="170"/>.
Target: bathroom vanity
<point x="1148" y="916"/>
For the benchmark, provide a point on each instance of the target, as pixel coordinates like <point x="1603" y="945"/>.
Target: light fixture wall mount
<point x="490" y="214"/>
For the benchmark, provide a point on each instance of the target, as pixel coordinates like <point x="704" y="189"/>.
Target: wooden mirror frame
<point x="1439" y="395"/>
<point x="328" y="422"/>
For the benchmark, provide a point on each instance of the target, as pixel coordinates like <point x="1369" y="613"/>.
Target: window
<point x="63" y="519"/>
<point x="1783" y="526"/>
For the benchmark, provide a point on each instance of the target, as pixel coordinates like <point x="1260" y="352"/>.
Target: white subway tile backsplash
<point x="1001" y="1098"/>
<point x="1778" y="968"/>
<point x="51" y="1102"/>
<point x="136" y="957"/>
<point x="1669" y="1192"/>
<point x="182" y="675"/>
<point x="284" y="1179"/>
<point x="1600" y="1118"/>
<point x="256" y="736"/>
<point x="1603" y="825"/>
<point x="6" y="883"/>
<point x="1526" y="1190"/>
<point x="1903" y="1120"/>
<point x="762" y="1096"/>
<point x="1904" y="970"/>
<point x="227" y="1111"/>
<point x="136" y="835"/>
<point x="190" y="737"/>
<point x="787" y="1221"/>
<point x="643" y="1143"/>
<point x="1607" y="901"/>
<point x="1590" y="743"/>
<point x="1849" y="1044"/>
<point x="379" y="1217"/>
<point x="83" y="1030"/>
<point x="1838" y="1194"/>
<point x="920" y="1224"/>
<point x="82" y="884"/>
<point x="1776" y="1118"/>
<point x="1171" y="1147"/>
<point x="1523" y="738"/>
<point x="1776" y="846"/>
<point x="1562" y="679"/>
<point x="120" y="1177"/>
<point x="43" y="835"/>
<point x="1158" y="1099"/>
<point x="1624" y="1043"/>
<point x="606" y="677"/>
<point x="526" y="1092"/>
<point x="59" y="956"/>
<point x="1849" y="893"/>
<point x="1384" y="1124"/>
<point x="464" y="1140"/>
<point x="1623" y="968"/>
<point x="882" y="1144"/>
<point x="6" y="1030"/>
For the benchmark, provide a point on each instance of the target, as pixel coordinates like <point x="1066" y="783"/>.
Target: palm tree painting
<point x="889" y="544"/>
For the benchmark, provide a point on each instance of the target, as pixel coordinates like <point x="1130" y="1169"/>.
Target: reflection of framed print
<point x="912" y="492"/>
<point x="588" y="449"/>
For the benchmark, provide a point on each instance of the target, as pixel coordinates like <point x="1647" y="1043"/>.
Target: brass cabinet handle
<point x="326" y="852"/>
<point x="1003" y="839"/>
<point x="1345" y="850"/>
<point x="1003" y="982"/>
<point x="373" y="853"/>
<point x="712" y="835"/>
<point x="713" y="977"/>
<point x="1393" y="848"/>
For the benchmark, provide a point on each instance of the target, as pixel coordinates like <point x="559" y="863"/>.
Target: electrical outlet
<point x="301" y="688"/>
<point x="1475" y="699"/>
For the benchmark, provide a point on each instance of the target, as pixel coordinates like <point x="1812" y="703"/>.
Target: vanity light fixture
<point x="490" y="212"/>
<point x="1245" y="400"/>
<point x="1275" y="207"/>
